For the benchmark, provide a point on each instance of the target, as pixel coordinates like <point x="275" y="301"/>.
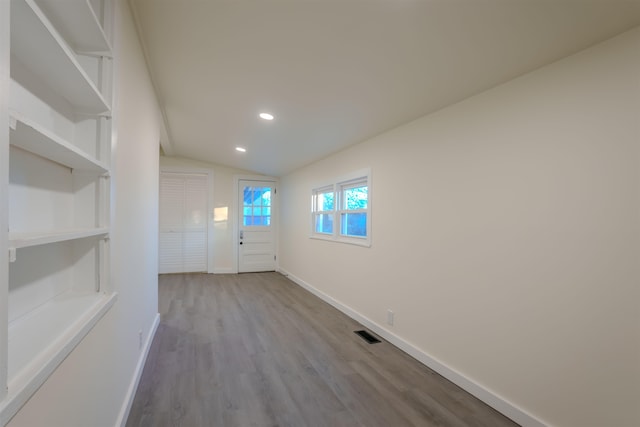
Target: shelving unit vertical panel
<point x="104" y="10"/>
<point x="106" y="83"/>
<point x="103" y="197"/>
<point x="104" y="277"/>
<point x="5" y="67"/>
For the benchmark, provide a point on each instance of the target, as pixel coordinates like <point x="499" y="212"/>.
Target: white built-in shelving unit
<point x="55" y="96"/>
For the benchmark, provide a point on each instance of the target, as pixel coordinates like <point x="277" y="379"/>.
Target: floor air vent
<point x="367" y="337"/>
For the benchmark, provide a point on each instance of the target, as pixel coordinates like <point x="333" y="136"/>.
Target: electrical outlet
<point x="390" y="315"/>
<point x="140" y="339"/>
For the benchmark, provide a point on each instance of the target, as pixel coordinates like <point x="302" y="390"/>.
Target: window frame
<point x="342" y="208"/>
<point x="316" y="212"/>
<point x="338" y="186"/>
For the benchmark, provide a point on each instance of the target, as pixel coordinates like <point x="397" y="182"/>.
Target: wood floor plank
<point x="258" y="350"/>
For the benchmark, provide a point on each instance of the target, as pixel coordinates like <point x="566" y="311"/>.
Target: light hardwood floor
<point x="258" y="350"/>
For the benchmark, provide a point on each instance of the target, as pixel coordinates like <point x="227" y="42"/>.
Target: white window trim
<point x="363" y="175"/>
<point x="315" y="212"/>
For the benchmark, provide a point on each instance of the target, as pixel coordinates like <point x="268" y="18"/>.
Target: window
<point x="324" y="203"/>
<point x="354" y="198"/>
<point x="257" y="206"/>
<point x="342" y="211"/>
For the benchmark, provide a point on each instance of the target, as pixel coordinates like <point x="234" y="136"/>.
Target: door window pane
<point x="266" y="197"/>
<point x="248" y="195"/>
<point x="254" y="211"/>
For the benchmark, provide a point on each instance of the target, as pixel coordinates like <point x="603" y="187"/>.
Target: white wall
<point x="223" y="198"/>
<point x="506" y="238"/>
<point x="4" y="183"/>
<point x="90" y="388"/>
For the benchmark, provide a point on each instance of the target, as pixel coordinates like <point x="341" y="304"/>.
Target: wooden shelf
<point x="37" y="45"/>
<point x="25" y="240"/>
<point x="78" y="23"/>
<point x="40" y="340"/>
<point x="32" y="137"/>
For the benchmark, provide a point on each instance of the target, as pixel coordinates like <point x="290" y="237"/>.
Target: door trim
<point x="235" y="213"/>
<point x="209" y="173"/>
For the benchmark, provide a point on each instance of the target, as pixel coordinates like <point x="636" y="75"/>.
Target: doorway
<point x="183" y="222"/>
<point x="256" y="226"/>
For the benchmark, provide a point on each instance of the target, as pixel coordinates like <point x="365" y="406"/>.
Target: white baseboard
<point x="131" y="392"/>
<point x="492" y="399"/>
<point x="224" y="271"/>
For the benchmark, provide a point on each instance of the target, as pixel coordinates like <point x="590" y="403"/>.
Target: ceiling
<point x="337" y="72"/>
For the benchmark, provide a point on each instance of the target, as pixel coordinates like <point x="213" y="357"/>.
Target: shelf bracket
<point x="13" y="122"/>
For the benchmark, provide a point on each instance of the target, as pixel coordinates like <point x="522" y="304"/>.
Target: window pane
<point x="265" y="199"/>
<point x="325" y="201"/>
<point x="324" y="223"/>
<point x="257" y="195"/>
<point x="254" y="212"/>
<point x="354" y="224"/>
<point x="356" y="198"/>
<point x="248" y="196"/>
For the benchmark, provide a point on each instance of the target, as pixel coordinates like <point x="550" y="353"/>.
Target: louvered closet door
<point x="183" y="223"/>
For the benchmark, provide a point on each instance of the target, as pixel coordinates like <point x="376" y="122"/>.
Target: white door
<point x="256" y="241"/>
<point x="183" y="223"/>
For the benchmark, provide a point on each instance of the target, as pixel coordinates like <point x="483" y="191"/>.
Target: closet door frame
<point x="210" y="228"/>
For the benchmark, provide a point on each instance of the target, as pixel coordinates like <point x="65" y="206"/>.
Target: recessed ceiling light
<point x="241" y="149"/>
<point x="266" y="116"/>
